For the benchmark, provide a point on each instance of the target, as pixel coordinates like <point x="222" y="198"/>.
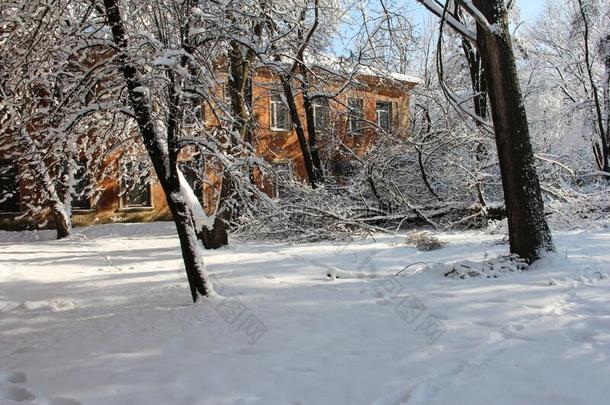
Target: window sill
<point x="7" y="214"/>
<point x="82" y="211"/>
<point x="135" y="209"/>
<point x="280" y="130"/>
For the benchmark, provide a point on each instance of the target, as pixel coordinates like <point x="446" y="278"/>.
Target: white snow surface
<point x="105" y="318"/>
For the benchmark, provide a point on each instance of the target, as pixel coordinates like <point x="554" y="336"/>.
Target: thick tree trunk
<point x="218" y="236"/>
<point x="167" y="175"/>
<point x="61" y="203"/>
<point x="528" y="230"/>
<point x="63" y="224"/>
<point x="189" y="244"/>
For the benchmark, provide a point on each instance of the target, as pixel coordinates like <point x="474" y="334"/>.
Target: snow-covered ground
<point x="105" y="318"/>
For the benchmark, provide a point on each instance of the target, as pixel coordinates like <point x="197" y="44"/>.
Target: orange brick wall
<point x="270" y="145"/>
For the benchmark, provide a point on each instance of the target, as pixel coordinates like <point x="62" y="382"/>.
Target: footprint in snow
<point x="15" y="393"/>
<point x="14" y="377"/>
<point x="10" y="390"/>
<point x="63" y="401"/>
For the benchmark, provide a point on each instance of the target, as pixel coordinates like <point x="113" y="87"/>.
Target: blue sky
<point x="530" y="9"/>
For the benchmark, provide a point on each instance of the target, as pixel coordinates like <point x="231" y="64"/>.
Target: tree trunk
<point x="63" y="224"/>
<point x="62" y="200"/>
<point x="603" y="151"/>
<point x="605" y="53"/>
<point x="312" y="131"/>
<point x="479" y="88"/>
<point x="218" y="236"/>
<point x="528" y="230"/>
<point x="298" y="128"/>
<point x="167" y="175"/>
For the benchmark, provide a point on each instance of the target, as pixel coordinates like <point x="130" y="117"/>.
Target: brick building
<point x="352" y="119"/>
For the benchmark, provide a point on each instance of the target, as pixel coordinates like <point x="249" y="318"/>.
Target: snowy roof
<point x="334" y="63"/>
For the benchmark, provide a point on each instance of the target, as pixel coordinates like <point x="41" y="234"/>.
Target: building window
<point x="384" y="116"/>
<point x="279" y="114"/>
<point x="81" y="187"/>
<point x="135" y="186"/>
<point x="193" y="173"/>
<point x="355" y="119"/>
<point x="321" y="112"/>
<point x="282" y="172"/>
<point x="9" y="187"/>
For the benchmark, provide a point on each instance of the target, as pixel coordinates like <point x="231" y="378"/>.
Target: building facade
<point x="347" y="125"/>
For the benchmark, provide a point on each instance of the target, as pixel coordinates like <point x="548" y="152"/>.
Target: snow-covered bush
<point x="306" y="214"/>
<point x="492" y="268"/>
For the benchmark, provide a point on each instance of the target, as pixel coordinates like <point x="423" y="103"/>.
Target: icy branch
<point x="439" y="10"/>
<point x="477" y="15"/>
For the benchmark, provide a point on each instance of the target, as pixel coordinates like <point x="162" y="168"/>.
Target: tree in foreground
<point x="528" y="230"/>
<point x="163" y="151"/>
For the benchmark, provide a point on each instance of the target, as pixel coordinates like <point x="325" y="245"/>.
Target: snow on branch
<point x="477" y="15"/>
<point x="440" y="11"/>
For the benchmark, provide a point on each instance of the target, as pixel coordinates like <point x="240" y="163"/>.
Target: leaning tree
<point x="529" y="233"/>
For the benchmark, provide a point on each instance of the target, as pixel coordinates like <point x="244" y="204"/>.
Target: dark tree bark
<point x="605" y="53"/>
<point x="164" y="164"/>
<point x="218" y="236"/>
<point x="300" y="131"/>
<point x="528" y="230"/>
<point x="62" y="222"/>
<point x="602" y="148"/>
<point x="479" y="89"/>
<point x="240" y="89"/>
<point x="63" y="196"/>
<point x="420" y="161"/>
<point x="309" y="148"/>
<point x="312" y="130"/>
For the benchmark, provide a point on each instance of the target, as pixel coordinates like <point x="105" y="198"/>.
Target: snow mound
<point x="424" y="240"/>
<point x="492" y="268"/>
<point x="336" y="273"/>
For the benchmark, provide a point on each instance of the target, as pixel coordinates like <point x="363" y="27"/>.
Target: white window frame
<point x="353" y="119"/>
<point x="388" y="112"/>
<point x="290" y="172"/>
<point x="318" y="108"/>
<point x="273" y="111"/>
